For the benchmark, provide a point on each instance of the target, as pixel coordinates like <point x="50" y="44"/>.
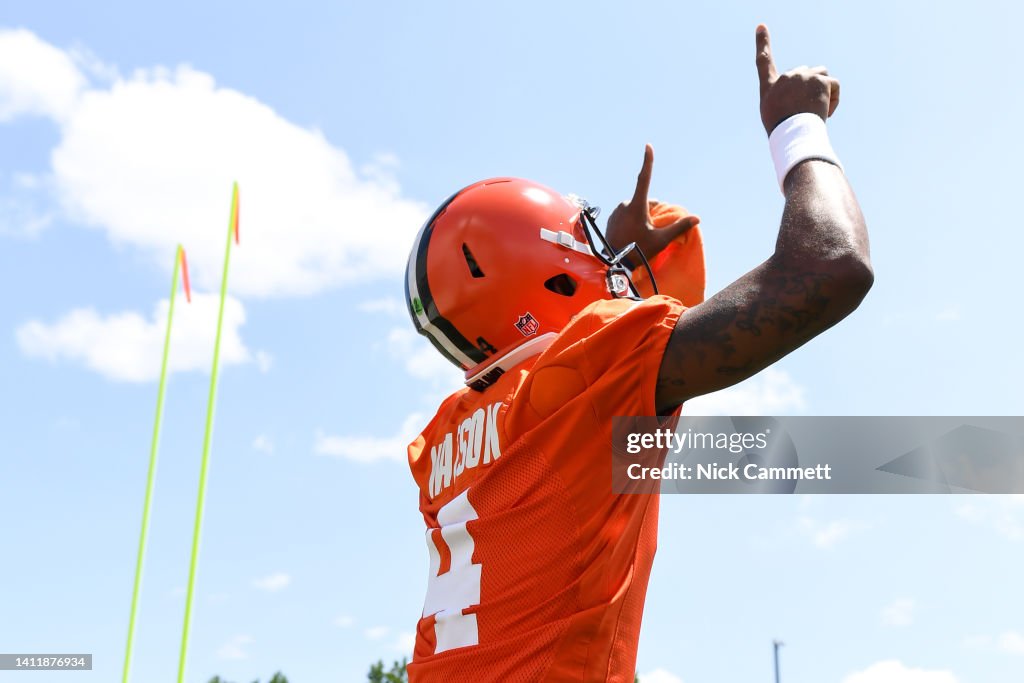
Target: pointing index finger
<point x="643" y="179"/>
<point x="766" y="72"/>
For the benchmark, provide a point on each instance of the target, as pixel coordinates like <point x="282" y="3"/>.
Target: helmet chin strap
<point x="617" y="273"/>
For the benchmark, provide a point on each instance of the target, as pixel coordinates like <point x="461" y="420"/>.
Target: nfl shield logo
<point x="527" y="324"/>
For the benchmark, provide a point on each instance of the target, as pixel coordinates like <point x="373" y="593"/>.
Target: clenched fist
<point x="799" y="90"/>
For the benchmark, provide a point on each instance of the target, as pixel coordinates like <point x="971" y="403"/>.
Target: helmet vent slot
<point x="561" y="284"/>
<point x="474" y="269"/>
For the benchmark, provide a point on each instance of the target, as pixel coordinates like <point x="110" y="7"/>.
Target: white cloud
<point x="899" y="613"/>
<point x="1007" y="642"/>
<point x="1011" y="642"/>
<point x="970" y="512"/>
<point x="1002" y="513"/>
<point x="978" y="642"/>
<point x="832" y="533"/>
<point x="273" y="582"/>
<point x="949" y="314"/>
<point x="26" y="205"/>
<point x="36" y="78"/>
<point x="92" y="65"/>
<point x="893" y="671"/>
<point x="770" y="392"/>
<point x="264" y="361"/>
<point x="826" y="535"/>
<point x="128" y="347"/>
<point x="805" y="501"/>
<point x="405" y="642"/>
<point x="149" y="159"/>
<point x="660" y="676"/>
<point x="235" y="648"/>
<point x="344" y="621"/>
<point x="26" y="181"/>
<point x="20" y="218"/>
<point x="381" y="169"/>
<point x="263" y="444"/>
<point x="376" y="632"/>
<point x="421" y="360"/>
<point x="371" y="448"/>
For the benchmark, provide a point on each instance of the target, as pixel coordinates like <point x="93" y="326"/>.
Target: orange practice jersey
<point x="538" y="571"/>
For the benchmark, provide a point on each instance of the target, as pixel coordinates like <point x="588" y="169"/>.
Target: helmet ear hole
<point x="561" y="284"/>
<point x="474" y="269"/>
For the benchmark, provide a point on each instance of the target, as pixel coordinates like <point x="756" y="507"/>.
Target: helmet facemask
<point x="617" y="276"/>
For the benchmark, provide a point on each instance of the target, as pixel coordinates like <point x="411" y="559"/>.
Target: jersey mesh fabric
<point x="563" y="562"/>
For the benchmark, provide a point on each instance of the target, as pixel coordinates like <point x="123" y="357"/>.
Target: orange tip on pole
<point x="184" y="275"/>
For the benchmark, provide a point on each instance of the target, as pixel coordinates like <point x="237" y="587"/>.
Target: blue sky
<point x="121" y="129"/>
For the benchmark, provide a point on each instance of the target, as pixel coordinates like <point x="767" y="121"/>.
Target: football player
<point x="538" y="571"/>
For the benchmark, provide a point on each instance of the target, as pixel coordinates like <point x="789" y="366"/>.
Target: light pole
<point x="776" y="644"/>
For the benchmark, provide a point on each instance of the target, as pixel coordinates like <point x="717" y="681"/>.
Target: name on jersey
<point x="472" y="443"/>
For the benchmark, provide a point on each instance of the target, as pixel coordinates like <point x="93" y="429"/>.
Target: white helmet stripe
<point x="420" y="313"/>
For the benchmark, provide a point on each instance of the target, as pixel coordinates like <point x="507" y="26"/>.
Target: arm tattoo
<point x="789" y="305"/>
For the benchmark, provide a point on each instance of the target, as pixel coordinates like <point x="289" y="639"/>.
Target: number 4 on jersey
<point x="454" y="581"/>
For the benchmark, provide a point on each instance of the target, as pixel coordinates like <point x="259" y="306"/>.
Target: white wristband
<point x="798" y="138"/>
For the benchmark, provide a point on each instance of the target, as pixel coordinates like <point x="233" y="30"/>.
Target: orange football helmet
<point x="501" y="267"/>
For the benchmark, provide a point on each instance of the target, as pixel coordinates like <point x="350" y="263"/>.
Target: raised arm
<point x="818" y="275"/>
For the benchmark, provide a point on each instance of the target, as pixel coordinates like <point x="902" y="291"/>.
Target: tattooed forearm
<point x="791" y="302"/>
<point x="817" y="276"/>
<point x="729" y="334"/>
